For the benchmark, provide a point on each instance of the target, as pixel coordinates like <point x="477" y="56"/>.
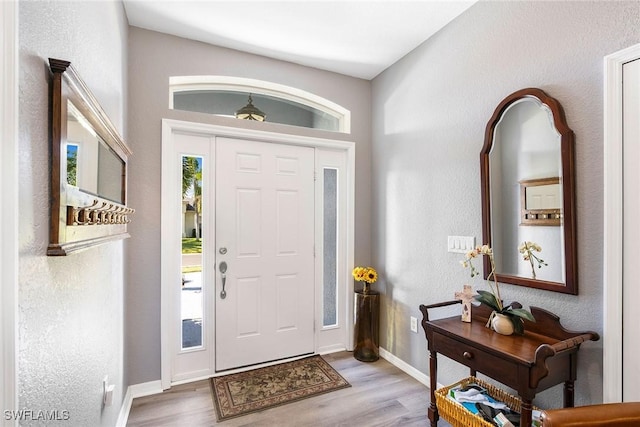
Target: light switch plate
<point x="460" y="244"/>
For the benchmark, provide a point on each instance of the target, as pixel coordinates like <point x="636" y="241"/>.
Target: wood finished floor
<point x="380" y="395"/>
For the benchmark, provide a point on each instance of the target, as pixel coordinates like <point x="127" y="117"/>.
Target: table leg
<point x="568" y="394"/>
<point x="433" y="373"/>
<point x="525" y="413"/>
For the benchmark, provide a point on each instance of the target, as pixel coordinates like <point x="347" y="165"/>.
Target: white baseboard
<point x="133" y="391"/>
<point x="125" y="409"/>
<point x="405" y="367"/>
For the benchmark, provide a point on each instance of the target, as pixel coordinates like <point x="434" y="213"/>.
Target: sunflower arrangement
<point x="366" y="275"/>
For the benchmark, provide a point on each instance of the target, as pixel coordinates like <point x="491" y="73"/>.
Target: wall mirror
<point x="527" y="187"/>
<point x="88" y="168"/>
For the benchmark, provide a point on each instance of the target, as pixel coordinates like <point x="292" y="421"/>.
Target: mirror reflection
<point x="526" y="146"/>
<point x="542" y="197"/>
<point x="91" y="165"/>
<point x="527" y="191"/>
<point x="541" y="202"/>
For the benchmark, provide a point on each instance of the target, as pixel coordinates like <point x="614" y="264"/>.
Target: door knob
<point x="223" y="271"/>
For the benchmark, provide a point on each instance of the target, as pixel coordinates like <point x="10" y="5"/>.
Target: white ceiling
<point x="359" y="38"/>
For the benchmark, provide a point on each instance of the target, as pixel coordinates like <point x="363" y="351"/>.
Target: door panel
<point x="249" y="294"/>
<point x="248" y="221"/>
<point x="287" y="289"/>
<point x="265" y="220"/>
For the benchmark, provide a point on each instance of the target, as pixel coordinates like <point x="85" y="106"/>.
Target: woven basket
<point x="458" y="416"/>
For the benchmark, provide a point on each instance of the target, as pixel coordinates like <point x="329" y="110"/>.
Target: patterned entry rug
<point x="239" y="394"/>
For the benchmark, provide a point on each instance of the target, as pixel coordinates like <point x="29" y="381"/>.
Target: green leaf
<point x="518" y="325"/>
<point x="488" y="299"/>
<point x="487" y="294"/>
<point x="521" y="312"/>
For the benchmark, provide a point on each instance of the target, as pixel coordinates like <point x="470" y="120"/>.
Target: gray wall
<point x="429" y="114"/>
<point x="70" y="308"/>
<point x="153" y="58"/>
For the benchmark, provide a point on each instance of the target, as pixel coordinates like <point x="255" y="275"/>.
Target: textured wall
<point x="70" y="308"/>
<point x="153" y="58"/>
<point x="429" y="114"/>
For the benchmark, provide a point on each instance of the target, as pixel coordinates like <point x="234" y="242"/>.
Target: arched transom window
<point x="224" y="96"/>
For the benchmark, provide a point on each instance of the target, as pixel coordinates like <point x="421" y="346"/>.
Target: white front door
<point x="264" y="251"/>
<point x="256" y="198"/>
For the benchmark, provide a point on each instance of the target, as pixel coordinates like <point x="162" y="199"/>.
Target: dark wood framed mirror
<point x="528" y="143"/>
<point x="88" y="168"/>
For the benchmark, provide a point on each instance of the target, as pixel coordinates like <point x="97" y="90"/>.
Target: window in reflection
<point x="95" y="168"/>
<point x="72" y="164"/>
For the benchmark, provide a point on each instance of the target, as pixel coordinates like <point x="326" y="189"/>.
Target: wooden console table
<point x="546" y="355"/>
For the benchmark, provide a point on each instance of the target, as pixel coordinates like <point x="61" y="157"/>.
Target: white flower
<point x="527" y="249"/>
<point x="485" y="250"/>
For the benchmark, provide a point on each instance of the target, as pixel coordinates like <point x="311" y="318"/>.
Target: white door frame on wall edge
<point x="613" y="193"/>
<point x="9" y="210"/>
<point x="171" y="125"/>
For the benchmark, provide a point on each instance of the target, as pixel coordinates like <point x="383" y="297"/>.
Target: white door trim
<point x="613" y="198"/>
<point x="9" y="210"/>
<point x="169" y="126"/>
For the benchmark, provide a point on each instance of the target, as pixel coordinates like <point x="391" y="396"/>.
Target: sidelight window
<point x="330" y="245"/>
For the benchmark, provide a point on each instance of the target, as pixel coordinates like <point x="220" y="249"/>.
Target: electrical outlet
<point x="414" y="324"/>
